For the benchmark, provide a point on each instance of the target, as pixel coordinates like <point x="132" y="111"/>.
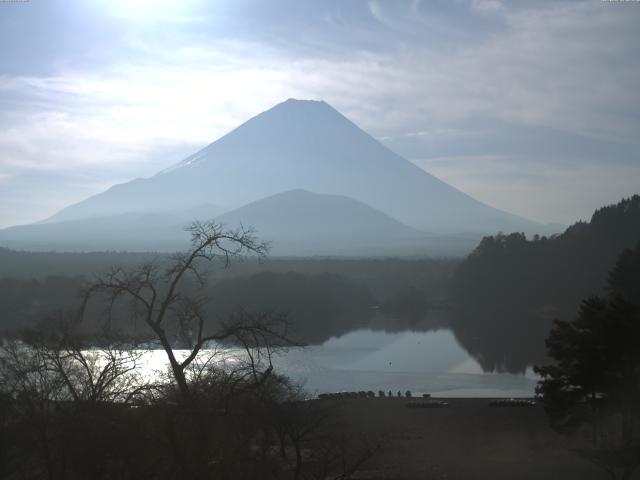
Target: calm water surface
<point x="423" y="362"/>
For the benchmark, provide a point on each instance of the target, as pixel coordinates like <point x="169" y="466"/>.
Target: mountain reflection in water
<point x="423" y="362"/>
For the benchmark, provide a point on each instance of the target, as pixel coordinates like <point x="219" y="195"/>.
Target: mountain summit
<point x="302" y="144"/>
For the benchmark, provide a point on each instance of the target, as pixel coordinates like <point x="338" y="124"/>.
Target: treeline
<point x="383" y="276"/>
<point x="323" y="297"/>
<point x="26" y="302"/>
<point x="507" y="293"/>
<point x="21" y="264"/>
<point x="320" y="305"/>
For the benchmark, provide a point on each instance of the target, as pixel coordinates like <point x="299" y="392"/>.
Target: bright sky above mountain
<point x="531" y="107"/>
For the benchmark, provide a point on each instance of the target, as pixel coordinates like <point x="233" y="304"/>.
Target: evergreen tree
<point x="596" y="374"/>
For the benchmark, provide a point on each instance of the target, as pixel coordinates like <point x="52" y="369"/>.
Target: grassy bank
<point x="466" y="440"/>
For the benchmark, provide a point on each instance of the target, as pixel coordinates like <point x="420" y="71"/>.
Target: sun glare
<point x="148" y="10"/>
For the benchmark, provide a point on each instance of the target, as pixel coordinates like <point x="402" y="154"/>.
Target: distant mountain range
<point x="366" y="198"/>
<point x="339" y="226"/>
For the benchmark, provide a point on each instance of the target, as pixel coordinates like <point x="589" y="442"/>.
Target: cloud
<point x="546" y="191"/>
<point x="549" y="68"/>
<point x="487" y="6"/>
<point x="121" y="116"/>
<point x="569" y="66"/>
<point x="404" y="70"/>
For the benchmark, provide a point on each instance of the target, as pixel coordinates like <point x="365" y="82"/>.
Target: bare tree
<point x="66" y="399"/>
<point x="156" y="296"/>
<point x="109" y="373"/>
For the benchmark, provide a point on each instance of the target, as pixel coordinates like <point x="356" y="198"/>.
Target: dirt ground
<point x="466" y="440"/>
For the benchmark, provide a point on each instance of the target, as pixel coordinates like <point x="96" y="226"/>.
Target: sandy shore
<point x="466" y="440"/>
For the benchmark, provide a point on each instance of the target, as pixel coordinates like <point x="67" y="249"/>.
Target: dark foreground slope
<point x="467" y="440"/>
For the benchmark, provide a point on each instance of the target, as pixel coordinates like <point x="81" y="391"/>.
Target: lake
<point x="423" y="362"/>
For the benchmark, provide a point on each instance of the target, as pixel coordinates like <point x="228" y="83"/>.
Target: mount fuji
<point x="296" y="145"/>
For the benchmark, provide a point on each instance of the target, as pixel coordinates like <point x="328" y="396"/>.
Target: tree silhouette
<point x="506" y="293"/>
<point x="596" y="377"/>
<point x="157" y="298"/>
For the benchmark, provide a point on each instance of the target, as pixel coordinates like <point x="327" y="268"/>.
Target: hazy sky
<point x="532" y="107"/>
